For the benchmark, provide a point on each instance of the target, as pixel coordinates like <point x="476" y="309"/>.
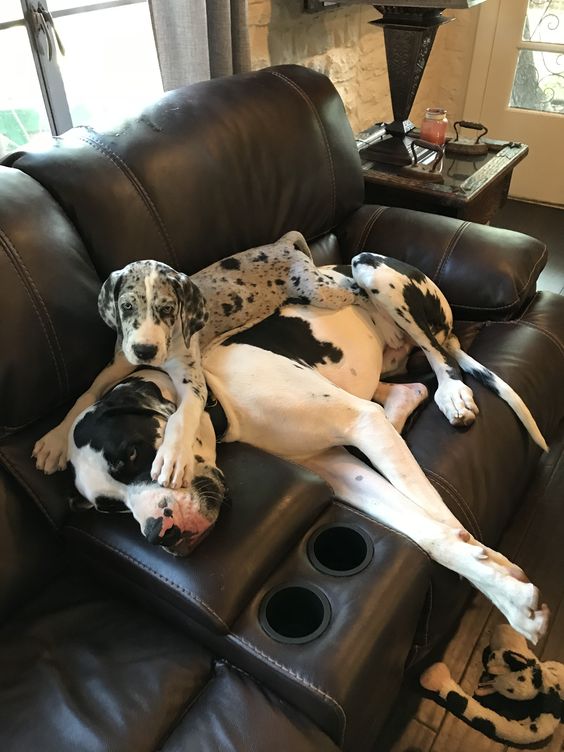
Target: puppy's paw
<point x="456" y="401"/>
<point x="51" y="451"/>
<point x="173" y="467"/>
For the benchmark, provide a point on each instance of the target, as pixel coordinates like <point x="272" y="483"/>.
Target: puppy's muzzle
<point x="177" y="521"/>
<point x="153" y="532"/>
<point x="145" y="353"/>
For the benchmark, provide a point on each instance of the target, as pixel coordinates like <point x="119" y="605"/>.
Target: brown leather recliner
<point x="108" y="643"/>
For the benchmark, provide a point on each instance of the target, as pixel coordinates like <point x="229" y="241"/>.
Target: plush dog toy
<point x="519" y="701"/>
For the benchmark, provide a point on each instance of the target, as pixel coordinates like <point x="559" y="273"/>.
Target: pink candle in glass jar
<point x="434" y="125"/>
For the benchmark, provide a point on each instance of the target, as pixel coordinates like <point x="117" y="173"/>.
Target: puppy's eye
<point x="127" y="306"/>
<point x="167" y="309"/>
<point x="132" y="455"/>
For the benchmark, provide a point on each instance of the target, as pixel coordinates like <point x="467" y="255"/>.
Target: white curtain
<point x="200" y="39"/>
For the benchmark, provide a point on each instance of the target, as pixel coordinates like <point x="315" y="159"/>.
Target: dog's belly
<point x="272" y="399"/>
<point x="352" y="332"/>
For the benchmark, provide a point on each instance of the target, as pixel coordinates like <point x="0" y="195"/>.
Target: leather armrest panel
<point x="485" y="272"/>
<point x="271" y="503"/>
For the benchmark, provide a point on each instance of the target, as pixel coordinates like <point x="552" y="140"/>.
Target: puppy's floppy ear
<point x="107" y="300"/>
<point x="193" y="312"/>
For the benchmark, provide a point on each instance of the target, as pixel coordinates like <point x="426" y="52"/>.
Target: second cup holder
<point x="340" y="549"/>
<point x="295" y="613"/>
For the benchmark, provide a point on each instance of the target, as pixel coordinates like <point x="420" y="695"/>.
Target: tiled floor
<point x="419" y="725"/>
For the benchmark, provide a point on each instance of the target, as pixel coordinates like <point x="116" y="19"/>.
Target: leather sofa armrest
<point x="270" y="504"/>
<point x="484" y="272"/>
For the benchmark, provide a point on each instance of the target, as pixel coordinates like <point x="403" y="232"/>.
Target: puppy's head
<point x="112" y="447"/>
<point x="178" y="519"/>
<point x="148" y="303"/>
<point x="113" y="444"/>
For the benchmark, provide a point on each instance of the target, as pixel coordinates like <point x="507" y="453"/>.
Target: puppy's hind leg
<point x="399" y="401"/>
<point x="365" y="426"/>
<point x="499" y="580"/>
<point x="416" y="304"/>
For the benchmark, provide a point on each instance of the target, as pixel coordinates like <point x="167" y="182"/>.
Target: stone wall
<point x="341" y="43"/>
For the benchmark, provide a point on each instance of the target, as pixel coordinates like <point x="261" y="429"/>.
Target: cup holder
<point x="340" y="549"/>
<point x="295" y="613"/>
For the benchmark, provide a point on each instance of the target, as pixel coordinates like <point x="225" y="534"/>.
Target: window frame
<point x="39" y="23"/>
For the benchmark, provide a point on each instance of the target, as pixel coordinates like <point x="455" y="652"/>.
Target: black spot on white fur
<point x="485" y="377"/>
<point x="230" y="263"/>
<point x="105" y="503"/>
<point x="288" y="336"/>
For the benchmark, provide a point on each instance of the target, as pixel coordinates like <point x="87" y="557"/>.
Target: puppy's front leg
<point x="51" y="451"/>
<point x="173" y="466"/>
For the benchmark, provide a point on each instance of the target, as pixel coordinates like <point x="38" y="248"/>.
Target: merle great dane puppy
<point x="315" y="377"/>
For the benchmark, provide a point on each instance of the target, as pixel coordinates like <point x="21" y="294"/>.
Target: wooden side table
<point x="474" y="188"/>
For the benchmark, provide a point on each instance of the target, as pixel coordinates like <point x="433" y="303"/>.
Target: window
<point x="539" y="75"/>
<point x="73" y="62"/>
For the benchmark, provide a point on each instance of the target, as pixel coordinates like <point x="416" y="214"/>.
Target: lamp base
<point x="399" y="127"/>
<point x="390" y="149"/>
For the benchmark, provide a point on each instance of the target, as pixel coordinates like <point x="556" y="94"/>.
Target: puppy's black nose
<point x="145" y="352"/>
<point x="152" y="530"/>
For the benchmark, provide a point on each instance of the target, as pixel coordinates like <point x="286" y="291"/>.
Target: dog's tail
<point x="498" y="386"/>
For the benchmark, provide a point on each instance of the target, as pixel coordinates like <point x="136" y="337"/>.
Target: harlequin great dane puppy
<point x="314" y="376"/>
<point x="112" y="446"/>
<point x="164" y="318"/>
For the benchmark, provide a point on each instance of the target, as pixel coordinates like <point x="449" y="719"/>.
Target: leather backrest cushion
<point x="52" y="341"/>
<point x="208" y="170"/>
<point x="326" y="250"/>
<point x="30" y="551"/>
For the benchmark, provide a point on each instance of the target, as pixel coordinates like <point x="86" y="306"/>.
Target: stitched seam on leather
<point x="31" y="290"/>
<point x="526" y="308"/>
<point x="457" y="497"/>
<point x="186" y="708"/>
<point x="520" y="322"/>
<point x="8" y="430"/>
<point x="47" y="319"/>
<point x="368" y="227"/>
<point x="313" y="109"/>
<point x="448" y="250"/>
<point x="414" y="544"/>
<point x="518" y="293"/>
<point x="301" y="679"/>
<point x="175" y="586"/>
<point x="139" y="189"/>
<point x="541" y="258"/>
<point x="429" y="611"/>
<point x="12" y="469"/>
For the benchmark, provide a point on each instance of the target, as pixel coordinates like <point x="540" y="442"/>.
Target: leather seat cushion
<point x="83" y="670"/>
<point x="236" y="714"/>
